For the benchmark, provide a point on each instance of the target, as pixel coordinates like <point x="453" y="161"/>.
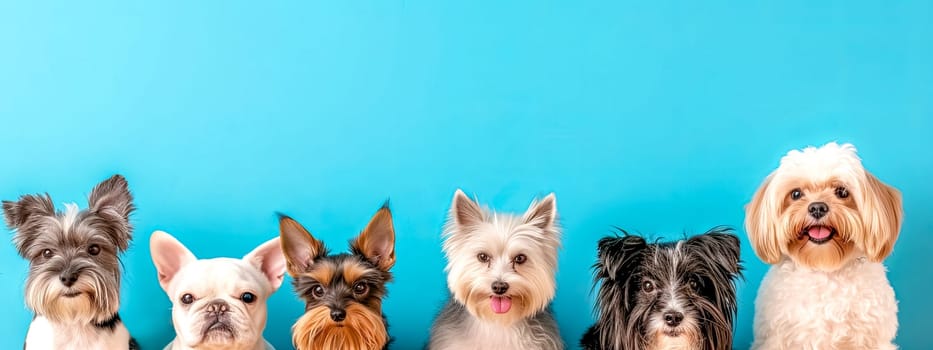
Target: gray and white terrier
<point x="74" y="267"/>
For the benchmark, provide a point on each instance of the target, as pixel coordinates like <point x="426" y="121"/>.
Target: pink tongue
<point x="501" y="305"/>
<point x="818" y="232"/>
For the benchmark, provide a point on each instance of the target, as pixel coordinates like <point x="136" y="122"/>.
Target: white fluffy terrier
<point x="501" y="277"/>
<point x="825" y="224"/>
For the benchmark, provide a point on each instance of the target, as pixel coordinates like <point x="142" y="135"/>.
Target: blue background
<point x="661" y="117"/>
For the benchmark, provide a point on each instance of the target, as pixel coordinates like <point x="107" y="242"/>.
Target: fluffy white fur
<point x="799" y="308"/>
<point x="44" y="334"/>
<point x="218" y="280"/>
<point x="832" y="295"/>
<point x="469" y="321"/>
<point x="472" y="334"/>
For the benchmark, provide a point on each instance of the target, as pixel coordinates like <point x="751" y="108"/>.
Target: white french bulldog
<point x="217" y="303"/>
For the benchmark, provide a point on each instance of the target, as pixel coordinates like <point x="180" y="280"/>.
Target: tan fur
<point x="322" y="272"/>
<point x="47" y="300"/>
<point x="351" y="273"/>
<point x="883" y="206"/>
<point x="842" y="215"/>
<point x="296" y="237"/>
<point x="362" y="330"/>
<point x="762" y="230"/>
<point x="686" y="341"/>
<point x="377" y="241"/>
<point x="868" y="221"/>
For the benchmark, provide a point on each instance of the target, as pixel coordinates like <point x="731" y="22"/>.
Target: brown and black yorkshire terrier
<point x="342" y="292"/>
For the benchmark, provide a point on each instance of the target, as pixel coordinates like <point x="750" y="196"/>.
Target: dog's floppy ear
<point x="169" y="257"/>
<point x="618" y="255"/>
<point x="111" y="200"/>
<point x="721" y="247"/>
<point x="761" y="217"/>
<point x="542" y="214"/>
<point x="21" y="216"/>
<point x="464" y="212"/>
<point x="882" y="213"/>
<point x="268" y="258"/>
<point x="377" y="241"/>
<point x="299" y="247"/>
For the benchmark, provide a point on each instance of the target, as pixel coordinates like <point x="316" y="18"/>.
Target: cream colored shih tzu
<point x="825" y="224"/>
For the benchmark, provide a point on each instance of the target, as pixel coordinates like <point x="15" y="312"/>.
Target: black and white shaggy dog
<point x="673" y="295"/>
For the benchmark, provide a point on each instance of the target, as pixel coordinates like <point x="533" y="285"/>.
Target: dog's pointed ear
<point x="721" y="247"/>
<point x="377" y="241"/>
<point x="618" y="255"/>
<point x="28" y="206"/>
<point x="111" y="199"/>
<point x="20" y="216"/>
<point x="112" y="196"/>
<point x="761" y="217"/>
<point x="269" y="259"/>
<point x="464" y="212"/>
<point x="298" y="246"/>
<point x="169" y="257"/>
<point x="883" y="213"/>
<point x="543" y="213"/>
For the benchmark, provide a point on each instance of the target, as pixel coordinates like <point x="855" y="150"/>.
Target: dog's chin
<point x="219" y="332"/>
<point x="675" y="338"/>
<point x="672" y="332"/>
<point x="78" y="304"/>
<point x="678" y="341"/>
<point x="72" y="293"/>
<point x="227" y="329"/>
<point x="363" y="329"/>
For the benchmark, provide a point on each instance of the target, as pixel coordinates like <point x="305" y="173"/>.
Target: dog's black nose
<point x="673" y="318"/>
<point x="818" y="209"/>
<point x="500" y="287"/>
<point x="338" y="315"/>
<point x="68" y="278"/>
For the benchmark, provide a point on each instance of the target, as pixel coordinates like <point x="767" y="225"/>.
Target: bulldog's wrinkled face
<point x="218" y="302"/>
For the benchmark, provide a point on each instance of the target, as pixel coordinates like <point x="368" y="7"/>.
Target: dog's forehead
<point x="72" y="227"/>
<point x="220" y="275"/>
<point x="342" y="268"/>
<point x="670" y="259"/>
<point x="822" y="164"/>
<point x="505" y="233"/>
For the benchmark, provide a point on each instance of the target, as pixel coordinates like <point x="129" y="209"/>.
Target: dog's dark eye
<point x="187" y="299"/>
<point x="647" y="286"/>
<point x="795" y="194"/>
<point x="693" y="283"/>
<point x="317" y="291"/>
<point x="48" y="254"/>
<point x="842" y="192"/>
<point x="248" y="297"/>
<point x="520" y="259"/>
<point x="482" y="257"/>
<point x="360" y="288"/>
<point x="93" y="249"/>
